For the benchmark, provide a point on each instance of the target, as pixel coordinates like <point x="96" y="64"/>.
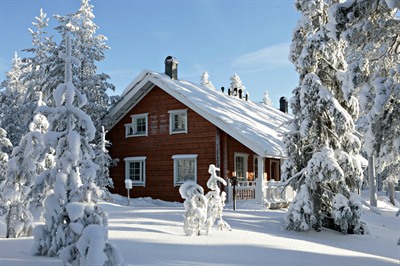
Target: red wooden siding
<point x="159" y="146"/>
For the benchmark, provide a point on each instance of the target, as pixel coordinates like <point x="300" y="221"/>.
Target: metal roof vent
<point x="283" y="105"/>
<point x="171" y="67"/>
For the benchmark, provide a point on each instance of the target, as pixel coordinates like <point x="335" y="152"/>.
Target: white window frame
<point x="172" y="114"/>
<point x="245" y="157"/>
<point x="131" y="129"/>
<point x="142" y="161"/>
<point x="179" y="157"/>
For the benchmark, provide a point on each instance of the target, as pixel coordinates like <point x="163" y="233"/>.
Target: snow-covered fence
<point x="268" y="193"/>
<point x="245" y="193"/>
<point x="278" y="196"/>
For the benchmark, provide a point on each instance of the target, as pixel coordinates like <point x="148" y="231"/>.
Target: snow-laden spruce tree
<point x="322" y="147"/>
<point x="370" y="29"/>
<point x="75" y="226"/>
<point x="12" y="109"/>
<point x="266" y="99"/>
<point x="236" y="86"/>
<point x="205" y="81"/>
<point x="22" y="168"/>
<point x="215" y="200"/>
<point x="44" y="71"/>
<point x="195" y="205"/>
<point x="89" y="48"/>
<point x="5" y="144"/>
<point x="104" y="161"/>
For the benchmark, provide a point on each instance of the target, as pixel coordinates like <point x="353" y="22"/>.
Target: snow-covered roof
<point x="258" y="127"/>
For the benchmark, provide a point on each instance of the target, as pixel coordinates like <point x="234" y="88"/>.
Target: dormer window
<point x="178" y="121"/>
<point x="138" y="127"/>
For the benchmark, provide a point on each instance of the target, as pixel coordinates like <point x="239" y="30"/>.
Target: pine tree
<point x="267" y="100"/>
<point x="370" y="30"/>
<point x="5" y="144"/>
<point x="205" y="81"/>
<point x="12" y="108"/>
<point x="322" y="148"/>
<point x="104" y="161"/>
<point x="44" y="73"/>
<point x="236" y="87"/>
<point x="73" y="220"/>
<point x="22" y="168"/>
<point x="89" y="48"/>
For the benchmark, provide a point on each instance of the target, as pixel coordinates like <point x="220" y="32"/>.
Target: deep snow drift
<point x="150" y="232"/>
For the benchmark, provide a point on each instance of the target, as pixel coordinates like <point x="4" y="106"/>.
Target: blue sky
<point x="248" y="37"/>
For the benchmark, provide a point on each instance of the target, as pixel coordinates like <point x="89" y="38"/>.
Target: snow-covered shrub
<point x="88" y="237"/>
<point x="215" y="200"/>
<point x="300" y="213"/>
<point x="341" y="212"/>
<point x="195" y="208"/>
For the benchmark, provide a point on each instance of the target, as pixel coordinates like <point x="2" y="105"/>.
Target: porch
<point x="267" y="193"/>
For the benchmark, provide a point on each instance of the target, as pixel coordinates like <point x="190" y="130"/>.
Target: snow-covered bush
<point x="195" y="208"/>
<point x="300" y="213"/>
<point x="215" y="200"/>
<point x="202" y="211"/>
<point x="341" y="212"/>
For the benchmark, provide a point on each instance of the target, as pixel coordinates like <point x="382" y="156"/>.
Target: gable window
<point x="274" y="166"/>
<point x="241" y="166"/>
<point x="185" y="168"/>
<point x="177" y="121"/>
<point x="135" y="170"/>
<point x="138" y="127"/>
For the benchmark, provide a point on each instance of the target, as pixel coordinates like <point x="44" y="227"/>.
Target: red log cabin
<point x="167" y="131"/>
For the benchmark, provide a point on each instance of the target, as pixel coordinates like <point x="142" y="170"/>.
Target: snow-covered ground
<point x="150" y="232"/>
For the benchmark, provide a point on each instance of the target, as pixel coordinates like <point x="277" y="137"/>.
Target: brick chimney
<point x="171" y="67"/>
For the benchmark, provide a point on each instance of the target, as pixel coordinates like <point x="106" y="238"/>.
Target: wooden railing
<point x="273" y="195"/>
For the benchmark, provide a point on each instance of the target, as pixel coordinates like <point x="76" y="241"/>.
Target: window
<point x="185" y="168"/>
<point x="178" y="121"/>
<point x="255" y="166"/>
<point x="138" y="127"/>
<point x="274" y="166"/>
<point x="241" y="166"/>
<point x="135" y="170"/>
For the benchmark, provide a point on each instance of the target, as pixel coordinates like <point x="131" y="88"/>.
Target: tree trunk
<point x="371" y="178"/>
<point x="391" y="192"/>
<point x="317" y="206"/>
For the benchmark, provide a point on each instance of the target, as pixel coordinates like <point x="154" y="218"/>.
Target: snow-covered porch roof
<point x="256" y="126"/>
